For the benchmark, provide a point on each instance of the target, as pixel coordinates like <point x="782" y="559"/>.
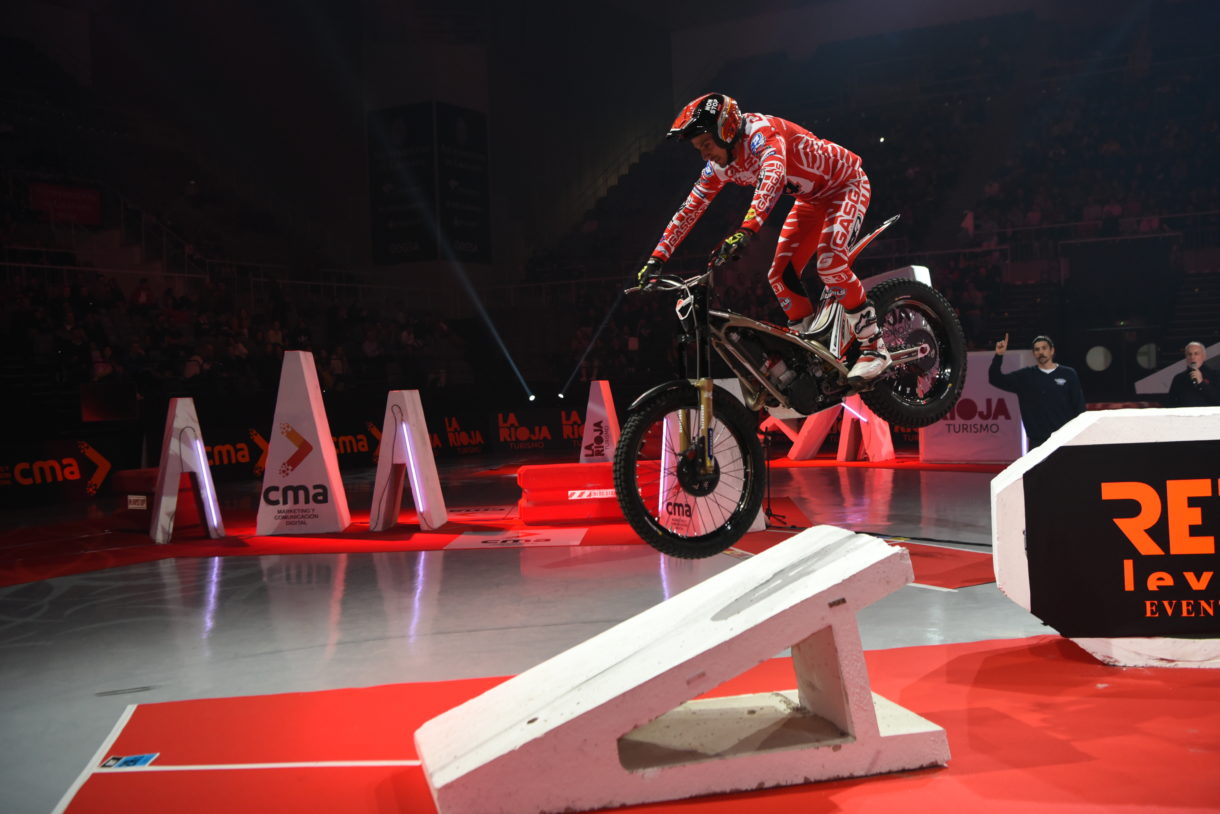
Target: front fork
<point x="705" y="421"/>
<point x="697" y="334"/>
<point x="704" y="437"/>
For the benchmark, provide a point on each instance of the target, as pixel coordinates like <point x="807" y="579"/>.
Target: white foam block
<point x="302" y="489"/>
<point x="406" y="453"/>
<point x="604" y="724"/>
<point x="1133" y="426"/>
<point x="601" y="432"/>
<point x="863" y="432"/>
<point x="182" y="450"/>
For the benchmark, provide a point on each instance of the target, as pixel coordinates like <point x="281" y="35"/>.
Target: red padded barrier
<point x="577" y="493"/>
<point x="567" y="493"/>
<point x="556" y="477"/>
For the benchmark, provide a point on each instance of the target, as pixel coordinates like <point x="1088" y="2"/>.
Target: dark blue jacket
<point x="1047" y="400"/>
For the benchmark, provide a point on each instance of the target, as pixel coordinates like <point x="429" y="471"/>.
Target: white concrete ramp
<point x="605" y="724"/>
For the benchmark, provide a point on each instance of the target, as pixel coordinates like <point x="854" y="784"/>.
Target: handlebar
<point x="671" y="282"/>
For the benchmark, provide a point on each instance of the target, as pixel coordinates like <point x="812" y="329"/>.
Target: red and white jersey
<point x="774" y="156"/>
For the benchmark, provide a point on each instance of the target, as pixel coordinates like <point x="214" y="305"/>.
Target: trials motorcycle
<point x="689" y="469"/>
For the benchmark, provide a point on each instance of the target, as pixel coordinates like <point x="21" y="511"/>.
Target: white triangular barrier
<point x="406" y="453"/>
<point x="679" y="510"/>
<point x="812" y="432"/>
<point x="733" y="385"/>
<point x="302" y="489"/>
<point x="601" y="425"/>
<point x="604" y="724"/>
<point x="863" y="431"/>
<point x="182" y="450"/>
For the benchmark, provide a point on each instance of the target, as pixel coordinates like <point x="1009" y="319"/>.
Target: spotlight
<point x="592" y="342"/>
<point x="863" y="420"/>
<point x="532" y="397"/>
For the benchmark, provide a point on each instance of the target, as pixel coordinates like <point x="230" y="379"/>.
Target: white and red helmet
<point x="713" y="113"/>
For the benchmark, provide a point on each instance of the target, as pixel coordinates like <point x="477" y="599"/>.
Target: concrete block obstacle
<point x="611" y="722"/>
<point x="1107" y="533"/>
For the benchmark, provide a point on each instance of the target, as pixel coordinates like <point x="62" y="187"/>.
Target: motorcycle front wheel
<point x="676" y="505"/>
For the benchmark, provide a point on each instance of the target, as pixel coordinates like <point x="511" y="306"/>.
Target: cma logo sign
<point x="296" y="495"/>
<point x="678" y="510"/>
<point x="1183" y="517"/>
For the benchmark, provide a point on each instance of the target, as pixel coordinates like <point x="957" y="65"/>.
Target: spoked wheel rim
<point x="680" y="497"/>
<point x="909" y="323"/>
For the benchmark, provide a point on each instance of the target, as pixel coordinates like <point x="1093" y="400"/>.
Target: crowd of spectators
<point x="1107" y="136"/>
<point x="1112" y="146"/>
<point x="214" y="341"/>
<point x="1111" y="155"/>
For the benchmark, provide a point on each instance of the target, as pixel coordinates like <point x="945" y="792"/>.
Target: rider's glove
<point x="651" y="271"/>
<point x="732" y="247"/>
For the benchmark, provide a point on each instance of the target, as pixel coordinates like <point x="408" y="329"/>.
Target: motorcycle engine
<point x="789" y="372"/>
<point x="804" y="393"/>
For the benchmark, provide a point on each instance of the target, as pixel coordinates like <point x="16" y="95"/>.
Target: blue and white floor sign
<point x="129" y="761"/>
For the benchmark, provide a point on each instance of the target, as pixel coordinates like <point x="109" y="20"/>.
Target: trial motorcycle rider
<point x="832" y="194"/>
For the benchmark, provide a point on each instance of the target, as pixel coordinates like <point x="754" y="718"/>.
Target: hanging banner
<point x="429" y="184"/>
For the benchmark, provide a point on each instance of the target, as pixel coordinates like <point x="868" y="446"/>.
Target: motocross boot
<point x="801" y="326"/>
<point x="874" y="358"/>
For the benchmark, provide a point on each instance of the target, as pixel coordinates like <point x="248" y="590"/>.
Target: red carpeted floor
<point x="1033" y="724"/>
<point x="33" y="554"/>
<point x="28" y="555"/>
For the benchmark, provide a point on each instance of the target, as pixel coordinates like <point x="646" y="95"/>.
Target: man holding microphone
<point x="1196" y="385"/>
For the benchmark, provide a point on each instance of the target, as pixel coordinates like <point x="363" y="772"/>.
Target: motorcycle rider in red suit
<point x="832" y="194"/>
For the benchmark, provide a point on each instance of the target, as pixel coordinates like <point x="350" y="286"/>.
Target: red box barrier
<point x="567" y="493"/>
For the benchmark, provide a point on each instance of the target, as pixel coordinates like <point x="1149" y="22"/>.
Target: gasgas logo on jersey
<point x="519" y="436"/>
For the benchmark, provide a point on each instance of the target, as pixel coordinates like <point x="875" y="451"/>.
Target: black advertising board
<point x="59" y="471"/>
<point x="1121" y="539"/>
<point x="402" y="184"/>
<point x="462" y="182"/>
<point x="429" y="177"/>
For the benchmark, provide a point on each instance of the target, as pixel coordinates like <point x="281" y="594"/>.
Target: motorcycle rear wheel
<point x="923" y="391"/>
<point x="666" y="501"/>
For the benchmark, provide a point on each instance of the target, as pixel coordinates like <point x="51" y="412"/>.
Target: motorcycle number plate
<point x="683" y="308"/>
